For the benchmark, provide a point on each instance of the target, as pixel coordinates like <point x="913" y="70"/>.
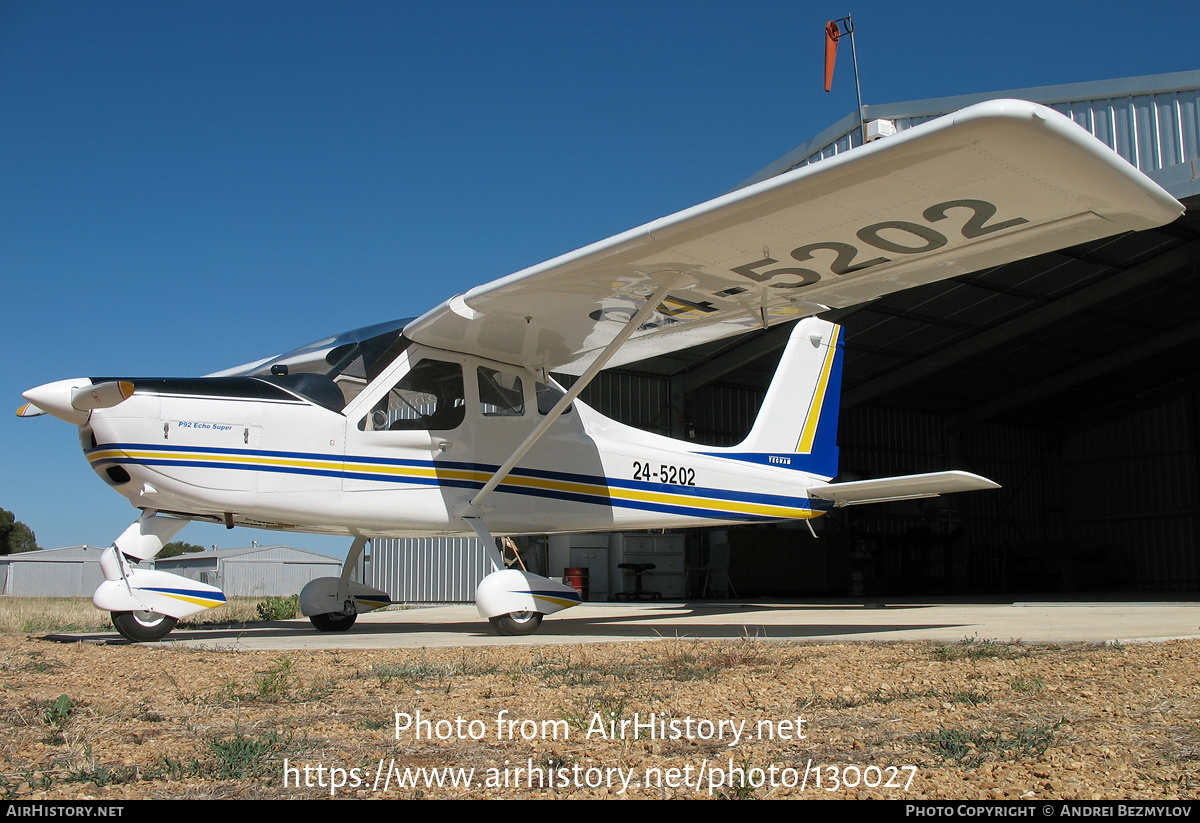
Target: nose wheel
<point x="143" y="626"/>
<point x="515" y="624"/>
<point x="332" y="622"/>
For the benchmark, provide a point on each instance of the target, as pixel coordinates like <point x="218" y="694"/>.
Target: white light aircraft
<point x="450" y="423"/>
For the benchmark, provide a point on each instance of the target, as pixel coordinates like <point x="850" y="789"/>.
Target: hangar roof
<point x="1151" y="121"/>
<point x="1040" y="341"/>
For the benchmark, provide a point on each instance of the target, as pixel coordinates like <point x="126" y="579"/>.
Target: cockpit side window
<point x="500" y="394"/>
<point x="429" y="397"/>
<point x="548" y="396"/>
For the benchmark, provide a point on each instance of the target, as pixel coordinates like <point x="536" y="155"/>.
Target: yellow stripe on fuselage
<point x="703" y="505"/>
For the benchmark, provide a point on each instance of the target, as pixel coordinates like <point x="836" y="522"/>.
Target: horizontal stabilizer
<point x="907" y="487"/>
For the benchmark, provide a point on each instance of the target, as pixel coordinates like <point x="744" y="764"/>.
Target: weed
<point x="686" y="663"/>
<point x="1027" y="684"/>
<point x="554" y="760"/>
<point x="878" y="695"/>
<point x="468" y="665"/>
<point x="278" y="608"/>
<point x="275" y="683"/>
<point x="972" y="648"/>
<point x="54" y="715"/>
<point x="180" y="694"/>
<point x="34" y="615"/>
<point x="884" y="696"/>
<point x="57" y="713"/>
<point x="600" y="712"/>
<point x="102" y="776"/>
<point x="974" y="747"/>
<point x="243" y="756"/>
<point x="322" y="687"/>
<point x="565" y="670"/>
<point x="411" y="670"/>
<point x="741" y="787"/>
<point x="970" y="697"/>
<point x="36" y="665"/>
<point x="268" y="686"/>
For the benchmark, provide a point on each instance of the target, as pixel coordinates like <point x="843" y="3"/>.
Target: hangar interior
<point x="1072" y="379"/>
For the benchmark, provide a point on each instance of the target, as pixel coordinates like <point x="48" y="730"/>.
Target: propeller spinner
<point x="73" y="400"/>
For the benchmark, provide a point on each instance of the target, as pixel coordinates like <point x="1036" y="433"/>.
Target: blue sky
<point x="187" y="186"/>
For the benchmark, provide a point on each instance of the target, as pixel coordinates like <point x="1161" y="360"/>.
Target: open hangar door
<point x="1072" y="379"/>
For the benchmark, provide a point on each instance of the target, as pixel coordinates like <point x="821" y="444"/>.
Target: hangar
<point x="1070" y="378"/>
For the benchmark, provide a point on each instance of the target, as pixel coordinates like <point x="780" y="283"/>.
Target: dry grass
<point x="39" y="615"/>
<point x="977" y="719"/>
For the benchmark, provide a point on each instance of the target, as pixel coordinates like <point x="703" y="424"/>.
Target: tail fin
<point x="797" y="423"/>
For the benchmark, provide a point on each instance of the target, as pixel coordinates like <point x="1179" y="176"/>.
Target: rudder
<point x="796" y="426"/>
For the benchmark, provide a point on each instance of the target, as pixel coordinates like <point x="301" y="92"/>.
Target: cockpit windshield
<point x="331" y="372"/>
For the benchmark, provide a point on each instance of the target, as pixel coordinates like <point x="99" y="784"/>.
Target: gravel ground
<point x="674" y="718"/>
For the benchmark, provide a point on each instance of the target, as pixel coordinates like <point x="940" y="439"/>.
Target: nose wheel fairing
<point x="515" y="592"/>
<point x="129" y="589"/>
<point x="321" y="597"/>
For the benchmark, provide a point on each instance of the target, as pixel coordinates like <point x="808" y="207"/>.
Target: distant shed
<point x="255" y="571"/>
<point x="73" y="571"/>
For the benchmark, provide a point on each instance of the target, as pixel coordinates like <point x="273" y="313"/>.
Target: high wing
<point x="993" y="183"/>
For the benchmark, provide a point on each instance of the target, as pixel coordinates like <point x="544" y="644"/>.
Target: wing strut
<point x="667" y="281"/>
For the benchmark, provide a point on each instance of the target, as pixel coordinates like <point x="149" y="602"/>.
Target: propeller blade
<point x="29" y="410"/>
<point x="102" y="395"/>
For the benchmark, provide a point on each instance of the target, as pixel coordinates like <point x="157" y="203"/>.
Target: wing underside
<point x="994" y="183"/>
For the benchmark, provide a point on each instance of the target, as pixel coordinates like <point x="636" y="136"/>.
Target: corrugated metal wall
<point x="636" y="400"/>
<point x="994" y="532"/>
<point x="54" y="578"/>
<point x="719" y="415"/>
<point x="270" y="577"/>
<point x="1152" y="131"/>
<point x="1131" y="496"/>
<point x="68" y="572"/>
<point x="269" y="571"/>
<point x="427" y="569"/>
<point x="722" y="415"/>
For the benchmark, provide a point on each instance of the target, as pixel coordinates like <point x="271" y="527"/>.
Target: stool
<point x="638" y="592"/>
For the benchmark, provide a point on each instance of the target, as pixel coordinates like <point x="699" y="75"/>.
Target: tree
<point x="177" y="548"/>
<point x="15" y="536"/>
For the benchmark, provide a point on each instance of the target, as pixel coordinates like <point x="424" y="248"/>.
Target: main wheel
<point x="143" y="627"/>
<point x="515" y="624"/>
<point x="333" y="622"/>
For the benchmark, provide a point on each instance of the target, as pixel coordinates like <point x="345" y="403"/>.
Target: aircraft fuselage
<point x="249" y="452"/>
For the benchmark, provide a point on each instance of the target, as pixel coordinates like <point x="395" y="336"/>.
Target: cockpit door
<point x="406" y="425"/>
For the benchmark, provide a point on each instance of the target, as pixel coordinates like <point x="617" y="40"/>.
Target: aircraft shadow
<point x="654" y="622"/>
